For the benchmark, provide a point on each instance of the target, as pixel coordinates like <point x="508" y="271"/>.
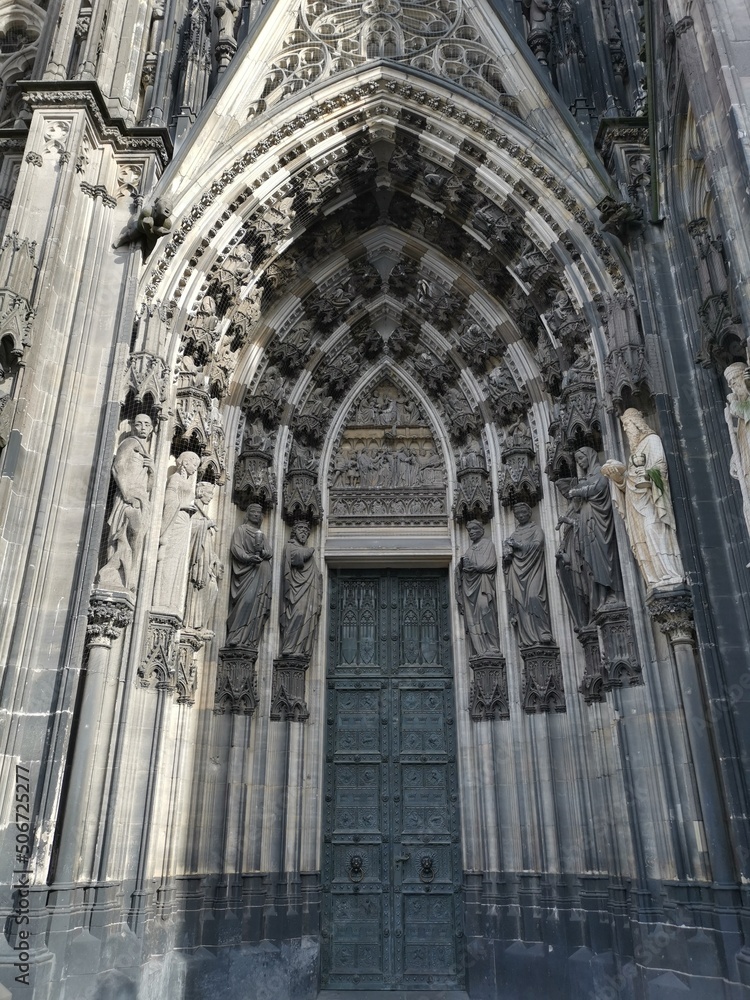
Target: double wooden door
<point x="391" y="910"/>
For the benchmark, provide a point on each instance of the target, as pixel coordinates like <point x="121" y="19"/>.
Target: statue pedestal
<point x="288" y="689"/>
<point x="542" y="688"/>
<point x="594" y="684"/>
<point x="621" y="661"/>
<point x="236" y="681"/>
<point x="488" y="695"/>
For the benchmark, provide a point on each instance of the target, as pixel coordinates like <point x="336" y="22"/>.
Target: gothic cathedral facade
<point x="374" y="499"/>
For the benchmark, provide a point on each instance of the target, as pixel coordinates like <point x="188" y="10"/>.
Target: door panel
<point x="392" y="915"/>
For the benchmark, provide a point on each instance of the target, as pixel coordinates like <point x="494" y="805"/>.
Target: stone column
<point x="108" y="615"/>
<point x="673" y="612"/>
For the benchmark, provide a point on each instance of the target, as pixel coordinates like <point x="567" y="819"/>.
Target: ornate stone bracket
<point x="672" y="611"/>
<point x="254" y="480"/>
<point x="186" y="680"/>
<point x="288" y="689"/>
<point x="542" y="684"/>
<point x="236" y="681"/>
<point x="109" y="614"/>
<point x="157" y="669"/>
<point x="616" y="662"/>
<point x="594" y="683"/>
<point x="488" y="695"/>
<point x="301" y="496"/>
<point x="621" y="660"/>
<point x="473" y="499"/>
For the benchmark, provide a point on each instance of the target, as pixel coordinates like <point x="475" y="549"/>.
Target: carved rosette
<point x="621" y="661"/>
<point x="301" y="496"/>
<point x="473" y="499"/>
<point x="488" y="695"/>
<point x="288" y="689"/>
<point x="157" y="669"/>
<point x="254" y="480"/>
<point x="520" y="480"/>
<point x="542" y="683"/>
<point x="108" y="615"/>
<point x="673" y="613"/>
<point x="147" y="375"/>
<point x="236" y="681"/>
<point x="186" y="680"/>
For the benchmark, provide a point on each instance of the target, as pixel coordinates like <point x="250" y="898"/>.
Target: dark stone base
<point x="257" y="937"/>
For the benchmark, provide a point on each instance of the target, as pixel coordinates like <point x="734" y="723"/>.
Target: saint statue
<point x="174" y="540"/>
<point x="568" y="563"/>
<point x="301" y="595"/>
<point x="130" y="517"/>
<point x="526" y="580"/>
<point x="476" y="594"/>
<point x="206" y="569"/>
<point x="595" y="535"/>
<point x="250" y="591"/>
<point x="738" y="421"/>
<point x="643" y="499"/>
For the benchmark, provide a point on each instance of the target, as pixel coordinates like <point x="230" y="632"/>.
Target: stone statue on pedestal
<point x="301" y="596"/>
<point x="526" y="580"/>
<point x="476" y="592"/>
<point x="174" y="540"/>
<point x="644" y="501"/>
<point x="595" y="534"/>
<point x="130" y="517"/>
<point x="206" y="569"/>
<point x="250" y="592"/>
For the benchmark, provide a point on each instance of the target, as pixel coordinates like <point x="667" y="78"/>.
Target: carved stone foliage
<point x="157" y="668"/>
<point x="288" y="689"/>
<point x="236" y="681"/>
<point x="520" y="479"/>
<point x="147" y="379"/>
<point x="488" y="694"/>
<point x="672" y="611"/>
<point x="108" y="615"/>
<point x="542" y="683"/>
<point x="387" y="467"/>
<point x="434" y="37"/>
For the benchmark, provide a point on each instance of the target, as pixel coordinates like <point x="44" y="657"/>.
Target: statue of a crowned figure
<point x="644" y="501"/>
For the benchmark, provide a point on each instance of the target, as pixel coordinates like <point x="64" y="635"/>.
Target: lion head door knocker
<point x="356" y="867"/>
<point x="426" y="868"/>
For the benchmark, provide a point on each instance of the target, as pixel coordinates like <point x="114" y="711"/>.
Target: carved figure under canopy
<point x="130" y="517"/>
<point x="738" y="422"/>
<point x="174" y="539"/>
<point x="206" y="569"/>
<point x="643" y="499"/>
<point x="526" y="580"/>
<point x="476" y="592"/>
<point x="301" y="595"/>
<point x="595" y="531"/>
<point x="250" y="591"/>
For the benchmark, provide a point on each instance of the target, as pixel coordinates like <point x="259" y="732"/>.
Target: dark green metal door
<point x="391" y="913"/>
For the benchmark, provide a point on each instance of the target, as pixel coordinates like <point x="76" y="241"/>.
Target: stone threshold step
<point x="393" y="995"/>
